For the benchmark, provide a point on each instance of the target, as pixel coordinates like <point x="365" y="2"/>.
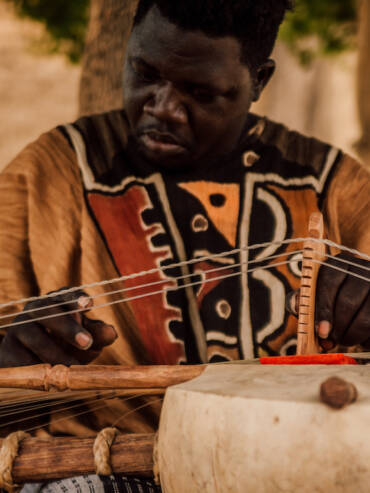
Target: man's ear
<point x="262" y="77"/>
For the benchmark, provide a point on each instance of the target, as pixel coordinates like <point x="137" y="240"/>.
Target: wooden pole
<point x="43" y="459"/>
<point x="363" y="81"/>
<point x="101" y="86"/>
<point x="94" y="377"/>
<point x="306" y="336"/>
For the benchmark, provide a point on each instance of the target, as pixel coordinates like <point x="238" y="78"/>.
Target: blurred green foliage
<point x="65" y="21"/>
<point x="318" y="27"/>
<point x="315" y="27"/>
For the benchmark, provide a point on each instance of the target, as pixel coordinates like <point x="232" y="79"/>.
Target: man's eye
<point x="143" y="73"/>
<point x="203" y="95"/>
<point x="147" y="76"/>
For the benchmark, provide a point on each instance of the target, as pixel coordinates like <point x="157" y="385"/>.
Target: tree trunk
<point x="102" y="65"/>
<point x="363" y="82"/>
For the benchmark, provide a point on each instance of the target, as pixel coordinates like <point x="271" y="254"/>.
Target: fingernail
<point x="113" y="330"/>
<point x="324" y="329"/>
<point x="84" y="302"/>
<point x="83" y="340"/>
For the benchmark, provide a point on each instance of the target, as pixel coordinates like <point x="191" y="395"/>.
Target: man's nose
<point x="166" y="105"/>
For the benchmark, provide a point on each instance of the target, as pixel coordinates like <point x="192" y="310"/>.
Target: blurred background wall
<point x="318" y="100"/>
<point x="38" y="90"/>
<point x="41" y="87"/>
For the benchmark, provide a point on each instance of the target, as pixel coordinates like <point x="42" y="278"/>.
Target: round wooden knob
<point x="337" y="393"/>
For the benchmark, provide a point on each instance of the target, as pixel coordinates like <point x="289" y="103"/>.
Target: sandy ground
<point x="37" y="91"/>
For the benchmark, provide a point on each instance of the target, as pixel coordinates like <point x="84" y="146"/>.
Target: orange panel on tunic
<point x="129" y="241"/>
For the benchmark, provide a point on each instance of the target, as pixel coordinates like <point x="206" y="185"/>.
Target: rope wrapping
<point x="101" y="450"/>
<point x="156" y="473"/>
<point x="8" y="454"/>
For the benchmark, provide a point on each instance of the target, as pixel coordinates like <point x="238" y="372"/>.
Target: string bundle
<point x="243" y="267"/>
<point x="14" y="404"/>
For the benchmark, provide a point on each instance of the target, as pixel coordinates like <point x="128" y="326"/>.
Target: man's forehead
<point x="160" y="42"/>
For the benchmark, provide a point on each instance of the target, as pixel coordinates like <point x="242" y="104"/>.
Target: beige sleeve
<point x="347" y="206"/>
<point x="39" y="220"/>
<point x="16" y="273"/>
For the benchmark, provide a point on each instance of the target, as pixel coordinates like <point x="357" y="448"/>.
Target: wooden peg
<point x="143" y="379"/>
<point x="313" y="250"/>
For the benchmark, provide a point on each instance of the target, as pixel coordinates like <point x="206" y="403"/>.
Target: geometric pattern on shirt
<point x="277" y="194"/>
<point x="221" y="203"/>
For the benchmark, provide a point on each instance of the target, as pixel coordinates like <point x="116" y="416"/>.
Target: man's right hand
<point x="68" y="339"/>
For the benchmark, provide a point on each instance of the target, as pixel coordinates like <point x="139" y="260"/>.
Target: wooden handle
<point x="306" y="337"/>
<point x="94" y="377"/>
<point x="43" y="459"/>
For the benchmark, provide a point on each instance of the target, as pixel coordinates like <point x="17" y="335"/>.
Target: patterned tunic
<point x="80" y="206"/>
<point x="263" y="193"/>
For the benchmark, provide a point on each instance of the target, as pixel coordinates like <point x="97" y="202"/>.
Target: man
<point x="184" y="172"/>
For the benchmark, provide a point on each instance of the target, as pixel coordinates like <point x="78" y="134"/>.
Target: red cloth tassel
<point x="310" y="359"/>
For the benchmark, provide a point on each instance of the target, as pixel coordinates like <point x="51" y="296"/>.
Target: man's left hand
<point x="343" y="303"/>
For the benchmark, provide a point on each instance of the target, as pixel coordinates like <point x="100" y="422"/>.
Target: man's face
<point x="186" y="95"/>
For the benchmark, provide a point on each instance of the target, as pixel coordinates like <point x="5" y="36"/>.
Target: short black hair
<point x="255" y="23"/>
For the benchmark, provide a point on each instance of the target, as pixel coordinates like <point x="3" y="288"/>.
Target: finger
<point x="328" y="284"/>
<point x="350" y="298"/>
<point x="83" y="303"/>
<point x="13" y="353"/>
<point x="70" y="296"/>
<point x="103" y="334"/>
<point x="326" y="344"/>
<point x="323" y="329"/>
<point x="40" y="343"/>
<point x="72" y="332"/>
<point x="62" y="325"/>
<point x="359" y="330"/>
<point x="70" y="301"/>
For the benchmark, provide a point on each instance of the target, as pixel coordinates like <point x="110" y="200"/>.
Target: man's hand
<point x="66" y="339"/>
<point x="343" y="303"/>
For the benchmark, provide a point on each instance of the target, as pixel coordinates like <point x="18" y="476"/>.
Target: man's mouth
<point x="162" y="143"/>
